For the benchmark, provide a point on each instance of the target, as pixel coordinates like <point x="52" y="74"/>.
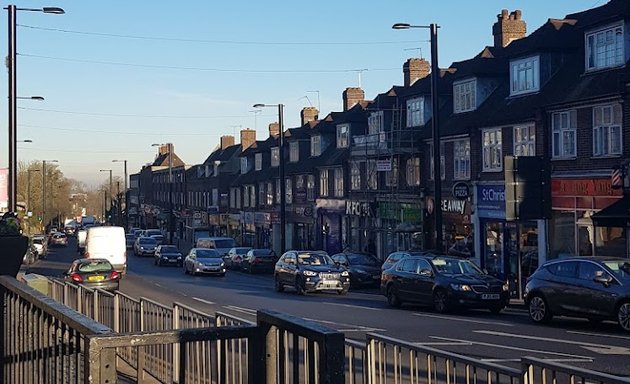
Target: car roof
<point x="592" y="258"/>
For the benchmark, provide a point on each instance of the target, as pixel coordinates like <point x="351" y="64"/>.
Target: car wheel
<point x="539" y="310"/>
<point x="496" y="309"/>
<point x="278" y="285"/>
<point x="623" y="315"/>
<point x="440" y="301"/>
<point x="343" y="291"/>
<point x="299" y="287"/>
<point x="392" y="297"/>
<point x="185" y="270"/>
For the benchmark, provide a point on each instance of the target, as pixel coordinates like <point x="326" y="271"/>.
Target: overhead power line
<point x="134" y="115"/>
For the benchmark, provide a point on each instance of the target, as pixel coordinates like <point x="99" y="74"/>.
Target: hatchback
<point x="145" y="246"/>
<point x="259" y="260"/>
<point x="204" y="260"/>
<point x="168" y="255"/>
<point x="310" y="271"/>
<point x="364" y="268"/>
<point x="596" y="288"/>
<point x="59" y="239"/>
<point x="94" y="273"/>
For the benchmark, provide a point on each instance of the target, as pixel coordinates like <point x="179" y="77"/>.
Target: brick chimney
<point x="509" y="27"/>
<point x="274" y="129"/>
<point x="309" y="114"/>
<point x="415" y="69"/>
<point x="352" y="96"/>
<point x="248" y="137"/>
<point x="163" y="149"/>
<point x="227" y="141"/>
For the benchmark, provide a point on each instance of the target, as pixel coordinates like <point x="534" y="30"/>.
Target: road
<point x="501" y="339"/>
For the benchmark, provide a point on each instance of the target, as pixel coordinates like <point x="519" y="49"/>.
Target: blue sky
<point x="119" y="76"/>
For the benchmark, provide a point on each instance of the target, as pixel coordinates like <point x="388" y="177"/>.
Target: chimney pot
<point x="415" y="69"/>
<point x="309" y="114"/>
<point x="248" y="137"/>
<point x="274" y="129"/>
<point x="227" y="141"/>
<point x="509" y="27"/>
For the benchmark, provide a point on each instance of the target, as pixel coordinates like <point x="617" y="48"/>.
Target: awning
<point x="615" y="215"/>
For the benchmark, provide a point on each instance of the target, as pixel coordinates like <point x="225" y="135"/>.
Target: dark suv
<point x="310" y="271"/>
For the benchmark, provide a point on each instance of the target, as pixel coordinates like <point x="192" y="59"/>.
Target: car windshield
<point x="362" y="259"/>
<point x="314" y="259"/>
<point x="147" y="240"/>
<point x="207" y="254"/>
<point x="227" y="243"/>
<point x="262" y="252"/>
<point x="95" y="266"/>
<point x="619" y="267"/>
<point x="169" y="249"/>
<point x="152" y="232"/>
<point x="241" y="251"/>
<point x="455" y="267"/>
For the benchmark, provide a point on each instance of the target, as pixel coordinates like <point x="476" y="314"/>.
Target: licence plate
<point x="330" y="284"/>
<point x="96" y="278"/>
<point x="490" y="296"/>
<point x="172" y="260"/>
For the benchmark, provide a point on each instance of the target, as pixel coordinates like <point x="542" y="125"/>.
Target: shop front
<point x="248" y="229"/>
<point x="363" y="224"/>
<point x="331" y="233"/>
<point x="400" y="227"/>
<point x="302" y="226"/>
<point x="234" y="226"/>
<point x="458" y="229"/>
<point x="262" y="223"/>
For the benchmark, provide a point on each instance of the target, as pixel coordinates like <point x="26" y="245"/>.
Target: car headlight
<point x="461" y="287"/>
<point x="506" y="287"/>
<point x="310" y="273"/>
<point x="179" y="257"/>
<point x="222" y="265"/>
<point x="345" y="273"/>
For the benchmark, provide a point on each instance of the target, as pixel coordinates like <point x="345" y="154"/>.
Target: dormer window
<point x="275" y="157"/>
<point x="525" y="76"/>
<point x="294" y="152"/>
<point x="605" y="48"/>
<point x="465" y="95"/>
<point x="316" y="145"/>
<point x="375" y="123"/>
<point x="258" y="161"/>
<point x="415" y="112"/>
<point x="243" y="165"/>
<point x="343" y="135"/>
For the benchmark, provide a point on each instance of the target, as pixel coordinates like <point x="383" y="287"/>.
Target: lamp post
<point x="11" y="63"/>
<point x="110" y="187"/>
<point x="283" y="230"/>
<point x="44" y="189"/>
<point x="125" y="193"/>
<point x="170" y="189"/>
<point x="435" y="127"/>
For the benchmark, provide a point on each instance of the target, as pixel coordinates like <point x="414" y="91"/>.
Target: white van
<point x="81" y="237"/>
<point x="221" y="244"/>
<point x="107" y="243"/>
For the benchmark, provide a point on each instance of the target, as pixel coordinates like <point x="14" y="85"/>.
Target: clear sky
<point x="118" y="76"/>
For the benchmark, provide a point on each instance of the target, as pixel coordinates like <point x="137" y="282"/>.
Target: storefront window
<point x="610" y="241"/>
<point x="493" y="257"/>
<point x="562" y="234"/>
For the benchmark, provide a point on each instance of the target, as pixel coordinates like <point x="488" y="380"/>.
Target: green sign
<point x="403" y="212"/>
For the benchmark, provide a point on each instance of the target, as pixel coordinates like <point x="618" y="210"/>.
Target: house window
<point x="316" y="145"/>
<point x="277" y="191"/>
<point x="215" y="197"/>
<point x="258" y="161"/>
<point x="289" y="190"/>
<point x="294" y="152"/>
<point x="372" y="175"/>
<point x="391" y="177"/>
<point x="338" y="182"/>
<point x="415" y="112"/>
<point x="243" y="165"/>
<point x="525" y="76"/>
<point x="607" y="130"/>
<point x="238" y="198"/>
<point x="246" y="196"/>
<point x="492" y="150"/>
<point x="355" y="175"/>
<point x="525" y="140"/>
<point x="413" y="171"/>
<point x="442" y="163"/>
<point x="461" y="159"/>
<point x="262" y="194"/>
<point x="233" y="198"/>
<point x="375" y="123"/>
<point x="269" y="193"/>
<point x="323" y="182"/>
<point x="343" y="136"/>
<point x="275" y="156"/>
<point x="564" y="127"/>
<point x="605" y="48"/>
<point x="216" y="169"/>
<point x="465" y="96"/>
<point x="310" y="187"/>
<point x="299" y="182"/>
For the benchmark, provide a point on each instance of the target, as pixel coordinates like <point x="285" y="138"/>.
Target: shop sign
<point x="583" y="187"/>
<point x="360" y="208"/>
<point x="197" y="215"/>
<point x="461" y="190"/>
<point x="248" y="217"/>
<point x="304" y="211"/>
<point x="383" y="165"/>
<point x="262" y="218"/>
<point x="400" y="211"/>
<point x="451" y="205"/>
<point x="491" y="201"/>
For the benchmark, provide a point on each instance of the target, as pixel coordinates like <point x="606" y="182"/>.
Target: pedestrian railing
<point x="540" y="371"/>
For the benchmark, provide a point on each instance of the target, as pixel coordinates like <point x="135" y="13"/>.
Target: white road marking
<point x="353" y="306"/>
<point x="350" y="327"/>
<point x="445" y="343"/>
<point x="203" y="301"/>
<point x="600" y="335"/>
<point x="597" y="348"/>
<point x="518" y="360"/>
<point x="247" y="311"/>
<point x="157" y="285"/>
<point x="464" y="320"/>
<point x="582" y="358"/>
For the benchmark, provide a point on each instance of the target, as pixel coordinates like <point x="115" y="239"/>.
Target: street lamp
<point x="437" y="174"/>
<point x="170" y="189"/>
<point x="110" y="187"/>
<point x="125" y="184"/>
<point x="38" y="98"/>
<point x="25" y="141"/>
<point x="44" y="189"/>
<point x="11" y="62"/>
<point x="281" y="172"/>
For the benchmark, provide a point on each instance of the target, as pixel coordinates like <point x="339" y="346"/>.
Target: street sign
<point x="461" y="190"/>
<point x="383" y="165"/>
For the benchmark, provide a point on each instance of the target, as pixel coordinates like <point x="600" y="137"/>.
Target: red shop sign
<point x="583" y="187"/>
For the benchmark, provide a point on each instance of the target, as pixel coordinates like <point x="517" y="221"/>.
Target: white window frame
<point x="465" y="95"/>
<point x="294" y="152"/>
<point x="605" y="48"/>
<point x="564" y="134"/>
<point x="338" y="175"/>
<point x="246" y="196"/>
<point x="343" y="135"/>
<point x="415" y="112"/>
<point x="262" y="193"/>
<point x="525" y="75"/>
<point x="442" y="163"/>
<point x="243" y="165"/>
<point x="461" y="159"/>
<point x="607" y="130"/>
<point x="258" y="161"/>
<point x="288" y="185"/>
<point x="252" y="196"/>
<point x="323" y="182"/>
<point x="269" y="193"/>
<point x="371" y="174"/>
<point x="375" y="123"/>
<point x="278" y="191"/>
<point x="391" y="177"/>
<point x="492" y="150"/>
<point x="316" y="145"/>
<point x="275" y="156"/>
<point x="412" y="171"/>
<point x="310" y="187"/>
<point x="355" y="175"/>
<point x="524" y="140"/>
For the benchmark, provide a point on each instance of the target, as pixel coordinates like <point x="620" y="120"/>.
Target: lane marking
<point x="600" y="335"/>
<point x="597" y="348"/>
<point x="247" y="311"/>
<point x="519" y="360"/>
<point x="204" y="301"/>
<point x="157" y="285"/>
<point x="464" y="320"/>
<point x="444" y="343"/>
<point x="353" y="306"/>
<point x="582" y="358"/>
<point x="350" y="327"/>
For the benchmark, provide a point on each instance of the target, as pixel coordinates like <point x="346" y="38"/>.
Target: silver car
<point x="204" y="260"/>
<point x="145" y="246"/>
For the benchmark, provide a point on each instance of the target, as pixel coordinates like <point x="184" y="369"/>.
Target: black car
<point x="447" y="283"/>
<point x="259" y="260"/>
<point x="596" y="288"/>
<point x="396" y="256"/>
<point x="310" y="271"/>
<point x="364" y="268"/>
<point x="168" y="255"/>
<point x="94" y="273"/>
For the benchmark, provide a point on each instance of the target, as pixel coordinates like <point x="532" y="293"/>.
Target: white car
<point x="40" y="244"/>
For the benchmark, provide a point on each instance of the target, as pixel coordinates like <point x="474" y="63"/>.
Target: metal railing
<point x="540" y="371"/>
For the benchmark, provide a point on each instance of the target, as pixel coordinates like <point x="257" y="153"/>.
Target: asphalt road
<point x="501" y="339"/>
